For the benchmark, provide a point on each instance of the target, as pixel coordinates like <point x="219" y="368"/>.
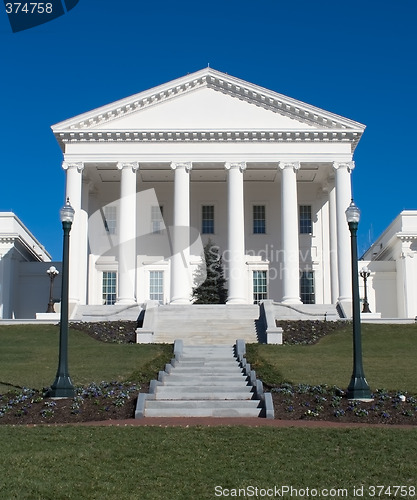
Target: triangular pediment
<point x="205" y="109"/>
<point x="205" y="104"/>
<point x="207" y="99"/>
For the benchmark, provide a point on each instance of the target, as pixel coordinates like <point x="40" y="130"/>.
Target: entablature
<point x="271" y="136"/>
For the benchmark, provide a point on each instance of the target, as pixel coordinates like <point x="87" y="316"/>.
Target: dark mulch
<point x="304" y="402"/>
<point x="117" y="401"/>
<point x="307" y="332"/>
<point x="96" y="402"/>
<point x="118" y="332"/>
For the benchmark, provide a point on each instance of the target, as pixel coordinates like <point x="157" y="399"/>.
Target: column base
<point x="180" y="302"/>
<point x="127" y="302"/>
<point x="291" y="300"/>
<point x="236" y="300"/>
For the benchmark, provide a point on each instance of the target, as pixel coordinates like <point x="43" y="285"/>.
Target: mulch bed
<point x="115" y="402"/>
<point x="307" y="332"/>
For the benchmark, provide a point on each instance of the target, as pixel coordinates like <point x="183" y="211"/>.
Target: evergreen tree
<point x="212" y="290"/>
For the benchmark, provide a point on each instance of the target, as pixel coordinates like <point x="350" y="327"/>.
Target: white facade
<point x="265" y="177"/>
<point x="24" y="287"/>
<point x="392" y="261"/>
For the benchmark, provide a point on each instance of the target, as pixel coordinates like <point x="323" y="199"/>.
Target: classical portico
<point x="155" y="176"/>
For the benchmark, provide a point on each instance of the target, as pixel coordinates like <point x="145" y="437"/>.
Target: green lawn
<point x="29" y="357"/>
<point x="389" y="359"/>
<point x="129" y="463"/>
<point x="54" y="463"/>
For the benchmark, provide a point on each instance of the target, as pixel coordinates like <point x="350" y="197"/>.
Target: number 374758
<point x="29" y="8"/>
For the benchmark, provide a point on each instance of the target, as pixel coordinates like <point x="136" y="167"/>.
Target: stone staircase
<point x="205" y="324"/>
<point x="205" y="381"/>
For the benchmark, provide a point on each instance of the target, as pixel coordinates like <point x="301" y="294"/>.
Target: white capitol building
<point x="208" y="157"/>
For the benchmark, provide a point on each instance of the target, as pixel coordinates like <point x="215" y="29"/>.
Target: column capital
<point x="134" y="165"/>
<point x="295" y="165"/>
<point x="241" y="165"/>
<point x="187" y="165"/>
<point x="349" y="165"/>
<point x="79" y="165"/>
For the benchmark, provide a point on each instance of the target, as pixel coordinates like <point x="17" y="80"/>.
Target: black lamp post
<point x="364" y="274"/>
<point x="62" y="386"/>
<point x="358" y="387"/>
<point x="53" y="273"/>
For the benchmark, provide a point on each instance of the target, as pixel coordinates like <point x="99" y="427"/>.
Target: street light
<point x="53" y="273"/>
<point x="364" y="274"/>
<point x="62" y="386"/>
<point x="358" y="387"/>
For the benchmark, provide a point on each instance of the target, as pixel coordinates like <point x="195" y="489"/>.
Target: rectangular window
<point x="307" y="294"/>
<point x="156" y="286"/>
<point x="259" y="223"/>
<point x="260" y="286"/>
<point x="207" y="219"/>
<point x="157" y="220"/>
<point x="306" y="224"/>
<point x="109" y="287"/>
<point x="110" y="219"/>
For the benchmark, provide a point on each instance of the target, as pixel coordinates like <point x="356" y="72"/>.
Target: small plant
<point x="361" y="412"/>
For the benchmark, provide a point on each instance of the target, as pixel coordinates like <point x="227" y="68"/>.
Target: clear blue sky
<point x="357" y="59"/>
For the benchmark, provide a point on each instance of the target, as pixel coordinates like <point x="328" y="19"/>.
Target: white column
<point x="181" y="281"/>
<point x="343" y="198"/>
<point x="127" y="233"/>
<point x="74" y="172"/>
<point x="334" y="279"/>
<point x="406" y="286"/>
<point x="83" y="262"/>
<point x="289" y="227"/>
<point x="237" y="274"/>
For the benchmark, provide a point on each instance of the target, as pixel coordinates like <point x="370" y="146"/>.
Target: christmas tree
<point x="212" y="290"/>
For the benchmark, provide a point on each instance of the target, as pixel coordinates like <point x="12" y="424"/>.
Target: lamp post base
<point x="61" y="388"/>
<point x="359" y="389"/>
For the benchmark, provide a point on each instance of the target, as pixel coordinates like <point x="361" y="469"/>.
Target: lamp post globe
<point x="62" y="386"/>
<point x="364" y="274"/>
<point x="53" y="273"/>
<point x="358" y="387"/>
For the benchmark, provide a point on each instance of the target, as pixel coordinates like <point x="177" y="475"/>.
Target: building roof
<point x="14" y="233"/>
<point x="208" y="105"/>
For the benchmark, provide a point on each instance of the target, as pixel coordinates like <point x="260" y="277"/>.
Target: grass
<point x="129" y="463"/>
<point x="389" y="359"/>
<point x="132" y="463"/>
<point x="29" y="358"/>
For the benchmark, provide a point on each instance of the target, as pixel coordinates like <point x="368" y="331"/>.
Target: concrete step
<point x="208" y="371"/>
<point x="198" y="352"/>
<point x="194" y="389"/>
<point x="200" y="393"/>
<point x="196" y="380"/>
<point x="202" y="340"/>
<point x="212" y="363"/>
<point x="200" y="408"/>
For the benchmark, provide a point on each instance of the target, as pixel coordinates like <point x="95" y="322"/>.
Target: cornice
<point x="407" y="237"/>
<point x="15" y="239"/>
<point x="76" y="136"/>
